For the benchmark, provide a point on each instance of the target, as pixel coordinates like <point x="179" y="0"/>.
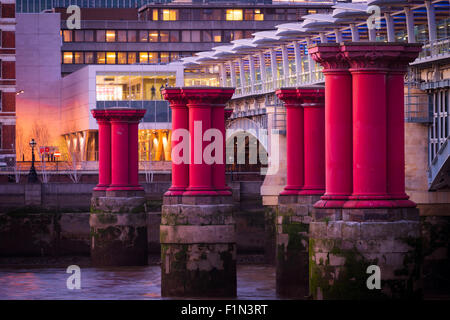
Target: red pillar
<point x="338" y="125"/>
<point x="369" y="67"/>
<point x="104" y="149"/>
<point x="124" y="157"/>
<point x="314" y="139"/>
<point x="396" y="126"/>
<point x="294" y="141"/>
<point x="200" y="173"/>
<point x="180" y="122"/>
<point x="218" y="117"/>
<point x="133" y="154"/>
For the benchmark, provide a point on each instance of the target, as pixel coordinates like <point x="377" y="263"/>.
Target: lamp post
<point x="32" y="175"/>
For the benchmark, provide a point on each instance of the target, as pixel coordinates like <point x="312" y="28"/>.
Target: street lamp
<point x="32" y="175"/>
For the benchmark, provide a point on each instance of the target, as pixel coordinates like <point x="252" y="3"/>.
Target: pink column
<point x="294" y="141"/>
<point x="200" y="173"/>
<point x="180" y="122"/>
<point x="338" y="125"/>
<point x="314" y="139"/>
<point x="218" y="122"/>
<point x="369" y="65"/>
<point x="104" y="149"/>
<point x="124" y="158"/>
<point x="396" y="126"/>
<point x="133" y="151"/>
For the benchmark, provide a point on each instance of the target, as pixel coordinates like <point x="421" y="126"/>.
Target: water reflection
<point x="254" y="282"/>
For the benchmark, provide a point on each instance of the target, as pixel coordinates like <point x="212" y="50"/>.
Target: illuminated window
<point x="174" y="56"/>
<point x="110" y="36"/>
<point x="110" y="58"/>
<point x="79" y="57"/>
<point x="164" y="36"/>
<point x="131" y="57"/>
<point x="311" y="11"/>
<point x="153" y="36"/>
<point x="169" y="14"/>
<point x="121" y="57"/>
<point x="234" y="15"/>
<point x="217" y="36"/>
<point x="100" y="57"/>
<point x="164" y="57"/>
<point x="153" y="57"/>
<point x="67" y="35"/>
<point x="143" y="57"/>
<point x="155" y="14"/>
<point x="259" y="16"/>
<point x="143" y="36"/>
<point x="68" y="57"/>
<point x="88" y="57"/>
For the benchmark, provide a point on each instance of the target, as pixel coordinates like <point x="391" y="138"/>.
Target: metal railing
<point x="269" y="86"/>
<point x="436" y="49"/>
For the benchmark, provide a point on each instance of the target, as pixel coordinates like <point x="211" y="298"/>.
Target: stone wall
<point x="53" y="219"/>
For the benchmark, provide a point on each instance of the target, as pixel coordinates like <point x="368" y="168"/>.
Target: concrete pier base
<point x="343" y="244"/>
<point x="292" y="243"/>
<point x="198" y="247"/>
<point x="118" y="229"/>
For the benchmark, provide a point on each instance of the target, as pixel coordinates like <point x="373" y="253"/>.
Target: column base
<point x="124" y="188"/>
<point x="199" y="191"/>
<point x="118" y="231"/>
<point x="175" y="191"/>
<point x="101" y="187"/>
<point x="292" y="245"/>
<point x="344" y="243"/>
<point x="198" y="247"/>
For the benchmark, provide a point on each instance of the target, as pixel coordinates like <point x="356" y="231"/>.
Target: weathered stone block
<point x="198" y="248"/>
<point x="338" y="264"/>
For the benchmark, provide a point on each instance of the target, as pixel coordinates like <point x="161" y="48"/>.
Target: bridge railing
<point x="436" y="49"/>
<point x="269" y="86"/>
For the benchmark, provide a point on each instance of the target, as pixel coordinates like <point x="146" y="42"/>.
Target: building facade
<point x="162" y="33"/>
<point x="7" y="82"/>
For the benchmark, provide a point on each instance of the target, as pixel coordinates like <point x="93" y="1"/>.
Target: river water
<point x="254" y="282"/>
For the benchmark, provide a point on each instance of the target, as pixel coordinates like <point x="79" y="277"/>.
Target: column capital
<point x="311" y="96"/>
<point x="329" y="56"/>
<point x="175" y="97"/>
<point x="207" y="96"/>
<point x="289" y="96"/>
<point x="409" y="54"/>
<point x="371" y="56"/>
<point x="101" y="115"/>
<point x="125" y="115"/>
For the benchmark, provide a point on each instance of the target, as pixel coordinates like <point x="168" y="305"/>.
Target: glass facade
<point x="155" y="145"/>
<point x="128" y="87"/>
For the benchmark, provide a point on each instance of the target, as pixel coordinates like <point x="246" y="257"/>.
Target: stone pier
<point x="305" y="184"/>
<point x="118" y="218"/>
<point x="198" y="242"/>
<point x="365" y="218"/>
